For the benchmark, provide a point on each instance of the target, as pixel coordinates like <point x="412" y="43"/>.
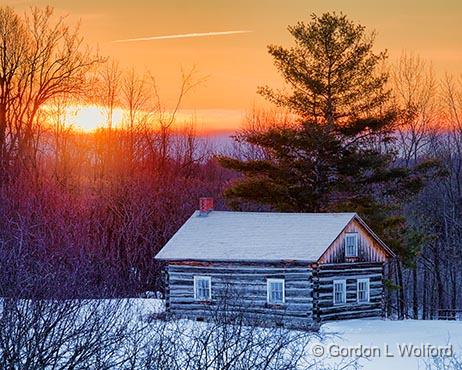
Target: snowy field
<point x="391" y="338"/>
<point x="380" y="344"/>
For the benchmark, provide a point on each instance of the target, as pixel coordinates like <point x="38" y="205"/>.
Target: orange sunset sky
<point x="236" y="63"/>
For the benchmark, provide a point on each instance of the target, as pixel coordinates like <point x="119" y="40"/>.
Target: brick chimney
<point x="205" y="206"/>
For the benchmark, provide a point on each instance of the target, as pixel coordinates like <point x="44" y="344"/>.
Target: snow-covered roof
<point x="255" y="236"/>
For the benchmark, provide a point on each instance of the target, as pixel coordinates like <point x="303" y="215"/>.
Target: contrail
<point x="185" y="35"/>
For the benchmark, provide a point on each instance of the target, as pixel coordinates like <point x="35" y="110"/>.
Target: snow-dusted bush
<point x="122" y="334"/>
<point x="67" y="334"/>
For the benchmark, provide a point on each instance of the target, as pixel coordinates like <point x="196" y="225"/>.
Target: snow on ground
<point x="391" y="337"/>
<point x="148" y="306"/>
<point x="388" y="342"/>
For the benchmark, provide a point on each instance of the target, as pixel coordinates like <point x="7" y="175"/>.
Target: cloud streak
<point x="185" y="36"/>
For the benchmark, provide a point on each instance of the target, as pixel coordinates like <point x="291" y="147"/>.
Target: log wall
<point x="242" y="287"/>
<point x="325" y="274"/>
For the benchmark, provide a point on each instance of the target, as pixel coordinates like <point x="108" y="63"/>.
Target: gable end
<point x="370" y="247"/>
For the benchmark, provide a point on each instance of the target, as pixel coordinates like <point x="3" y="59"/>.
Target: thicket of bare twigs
<point x="118" y="334"/>
<point x="94" y="207"/>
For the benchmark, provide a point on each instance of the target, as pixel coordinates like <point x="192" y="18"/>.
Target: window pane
<point x="202" y="288"/>
<point x="276" y="294"/>
<point x="351" y="245"/>
<point x="339" y="292"/>
<point x="363" y="291"/>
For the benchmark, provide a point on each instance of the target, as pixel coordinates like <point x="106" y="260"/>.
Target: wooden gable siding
<point x="369" y="249"/>
<point x="242" y="288"/>
<point x="324" y="276"/>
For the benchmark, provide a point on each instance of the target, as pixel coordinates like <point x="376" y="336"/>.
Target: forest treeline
<point x="83" y="214"/>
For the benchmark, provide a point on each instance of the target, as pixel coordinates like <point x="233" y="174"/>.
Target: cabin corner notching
<point x="291" y="269"/>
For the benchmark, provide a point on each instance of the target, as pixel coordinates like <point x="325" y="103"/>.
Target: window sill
<point x="355" y="303"/>
<point x="275" y="305"/>
<point x="352" y="258"/>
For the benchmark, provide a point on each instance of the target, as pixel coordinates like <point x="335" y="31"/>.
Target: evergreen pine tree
<point x="337" y="156"/>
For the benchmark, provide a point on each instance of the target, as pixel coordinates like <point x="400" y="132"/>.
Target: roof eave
<point x="177" y="259"/>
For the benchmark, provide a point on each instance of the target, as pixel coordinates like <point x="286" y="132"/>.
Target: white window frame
<point x="344" y="290"/>
<point x="368" y="290"/>
<point x="209" y="281"/>
<point x="355" y="253"/>
<point x="268" y="290"/>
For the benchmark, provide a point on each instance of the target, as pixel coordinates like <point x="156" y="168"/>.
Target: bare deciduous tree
<point x="41" y="58"/>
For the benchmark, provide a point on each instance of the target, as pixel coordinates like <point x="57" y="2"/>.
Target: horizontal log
<point x="290" y="294"/>
<point x="240" y="303"/>
<point x="174" y="276"/>
<point x="352" y="301"/>
<point x="219" y="298"/>
<point x="242" y="278"/>
<point x="247" y="263"/>
<point x="376" y="292"/>
<point x="333" y="266"/>
<point x="350" y="287"/>
<point x="323" y="293"/>
<point x="352" y="315"/>
<point x="263" y="313"/>
<point x="350" y="273"/>
<point x="350" y="307"/>
<point x="337" y="271"/>
<point x="213" y="311"/>
<point x="188" y="275"/>
<point x="240" y="290"/>
<point x="350" y="296"/>
<point x="237" y="268"/>
<point x="241" y="284"/>
<point x="249" y="299"/>
<point x="350" y="283"/>
<point x="299" y="323"/>
<point x="321" y="278"/>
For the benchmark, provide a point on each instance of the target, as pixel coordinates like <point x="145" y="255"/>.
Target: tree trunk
<point x="424" y="297"/>
<point x="415" y="296"/>
<point x="401" y="301"/>
<point x="439" y="282"/>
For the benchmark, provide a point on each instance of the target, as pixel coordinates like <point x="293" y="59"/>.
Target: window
<point x="339" y="291"/>
<point x="275" y="291"/>
<point x="351" y="245"/>
<point x="202" y="288"/>
<point x="363" y="290"/>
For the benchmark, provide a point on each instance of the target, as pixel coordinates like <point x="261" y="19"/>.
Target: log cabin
<point x="289" y="269"/>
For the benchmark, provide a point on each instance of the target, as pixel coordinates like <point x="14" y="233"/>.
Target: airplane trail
<point x="184" y="36"/>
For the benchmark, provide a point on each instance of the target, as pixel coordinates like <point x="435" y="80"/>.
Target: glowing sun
<point x="90" y="118"/>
